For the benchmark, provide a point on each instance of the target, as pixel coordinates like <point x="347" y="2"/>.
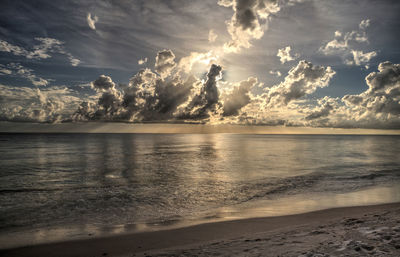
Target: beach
<point x="349" y="231"/>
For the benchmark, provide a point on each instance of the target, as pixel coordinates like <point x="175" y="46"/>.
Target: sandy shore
<point x="349" y="231"/>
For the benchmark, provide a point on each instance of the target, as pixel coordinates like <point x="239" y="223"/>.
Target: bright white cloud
<point x="142" y="61"/>
<point x="347" y="46"/>
<point x="377" y="107"/>
<point x="91" y="21"/>
<point x="285" y="55"/>
<point x="186" y="63"/>
<point x="301" y="80"/>
<point x="361" y="59"/>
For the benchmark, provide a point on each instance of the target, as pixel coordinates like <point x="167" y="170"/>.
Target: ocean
<point x="65" y="186"/>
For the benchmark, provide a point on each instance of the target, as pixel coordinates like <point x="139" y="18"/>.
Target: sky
<point x="292" y="63"/>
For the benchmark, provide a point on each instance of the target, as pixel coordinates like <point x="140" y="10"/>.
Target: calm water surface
<point x="80" y="184"/>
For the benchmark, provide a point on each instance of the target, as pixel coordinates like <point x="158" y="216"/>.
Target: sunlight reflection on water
<point x="118" y="182"/>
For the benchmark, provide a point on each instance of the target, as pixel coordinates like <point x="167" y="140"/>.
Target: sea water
<point x="61" y="186"/>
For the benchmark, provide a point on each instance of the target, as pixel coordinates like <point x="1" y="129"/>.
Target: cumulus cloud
<point x="326" y="105"/>
<point x="239" y="97"/>
<point x="149" y="96"/>
<point x="382" y="99"/>
<point x="103" y="83"/>
<point x="176" y="96"/>
<point x="285" y="55"/>
<point x="347" y="45"/>
<point x="165" y="63"/>
<point x="92" y="21"/>
<point x="142" y="61"/>
<point x="249" y="21"/>
<point x="186" y="63"/>
<point x="301" y="80"/>
<point x="26" y="104"/>
<point x="377" y="107"/>
<point x="212" y="36"/>
<point x="42" y="50"/>
<point x="275" y="73"/>
<point x="360" y="58"/>
<point x="205" y="101"/>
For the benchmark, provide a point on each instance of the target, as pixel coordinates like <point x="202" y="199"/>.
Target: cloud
<point x="275" y="73"/>
<point x="149" y="96"/>
<point x="92" y="21"/>
<point x="301" y="80"/>
<point x="205" y="101"/>
<point x="142" y="61"/>
<point x="4" y="70"/>
<point x="326" y="104"/>
<point x="364" y="24"/>
<point x="248" y="22"/>
<point x="377" y="107"/>
<point x="165" y="63"/>
<point x="285" y="55"/>
<point x="16" y="69"/>
<point x="361" y="59"/>
<point x="212" y="36"/>
<point x="40" y="51"/>
<point x="24" y="104"/>
<point x="16" y="50"/>
<point x="74" y="61"/>
<point x="152" y="96"/>
<point x="382" y="99"/>
<point x="239" y="97"/>
<point x="103" y="83"/>
<point x="186" y="63"/>
<point x="346" y="46"/>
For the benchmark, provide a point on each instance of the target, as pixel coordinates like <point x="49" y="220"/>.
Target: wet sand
<point x="349" y="231"/>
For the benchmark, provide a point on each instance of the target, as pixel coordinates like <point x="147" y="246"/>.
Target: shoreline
<point x="178" y="238"/>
